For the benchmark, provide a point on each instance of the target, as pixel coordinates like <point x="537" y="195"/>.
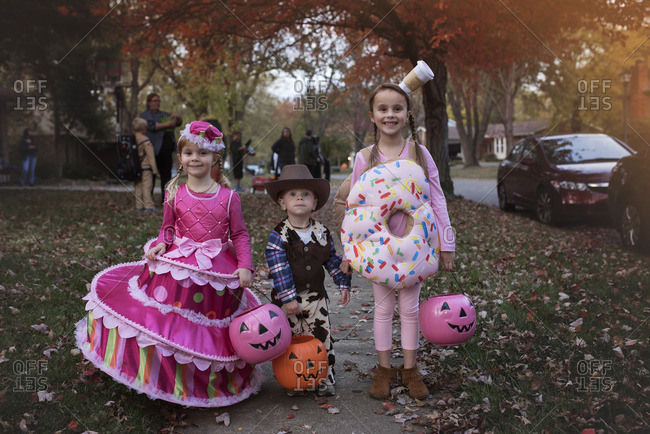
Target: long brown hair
<point x="374" y="152"/>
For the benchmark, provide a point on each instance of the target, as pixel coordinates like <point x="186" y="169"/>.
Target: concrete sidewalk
<point x="351" y="410"/>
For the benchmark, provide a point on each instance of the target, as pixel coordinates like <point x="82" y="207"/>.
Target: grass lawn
<point x="482" y="172"/>
<point x="561" y="343"/>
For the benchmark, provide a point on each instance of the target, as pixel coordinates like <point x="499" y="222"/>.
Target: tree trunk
<point x="435" y="122"/>
<point x="509" y="118"/>
<point x="132" y="112"/>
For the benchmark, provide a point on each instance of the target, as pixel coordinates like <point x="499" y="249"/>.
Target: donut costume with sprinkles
<point x="372" y="250"/>
<point x="161" y="327"/>
<point x="375" y="196"/>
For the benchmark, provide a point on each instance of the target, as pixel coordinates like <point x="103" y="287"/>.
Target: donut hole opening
<point x="399" y="223"/>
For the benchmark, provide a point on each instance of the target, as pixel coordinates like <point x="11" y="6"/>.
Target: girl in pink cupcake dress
<point x="160" y="326"/>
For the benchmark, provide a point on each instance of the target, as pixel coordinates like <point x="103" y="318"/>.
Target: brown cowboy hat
<point x="298" y="176"/>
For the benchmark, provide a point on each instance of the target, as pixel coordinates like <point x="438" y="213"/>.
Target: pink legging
<point x="408" y="299"/>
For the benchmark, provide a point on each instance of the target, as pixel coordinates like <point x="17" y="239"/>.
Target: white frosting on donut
<point x="377" y="254"/>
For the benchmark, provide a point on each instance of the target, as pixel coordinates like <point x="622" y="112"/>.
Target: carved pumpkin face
<point x="260" y="334"/>
<point x="447" y="319"/>
<point x="303" y="366"/>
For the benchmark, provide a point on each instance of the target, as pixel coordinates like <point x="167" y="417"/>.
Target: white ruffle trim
<point x="190" y="315"/>
<point x="254" y="386"/>
<point x="145" y="337"/>
<point x="186" y="274"/>
<point x="201" y="142"/>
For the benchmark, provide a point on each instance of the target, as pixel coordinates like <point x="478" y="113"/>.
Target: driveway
<point x="478" y="190"/>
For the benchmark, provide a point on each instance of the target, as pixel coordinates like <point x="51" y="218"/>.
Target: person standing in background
<point x="308" y="154"/>
<point x="237" y="154"/>
<point x="323" y="161"/>
<point x="160" y="130"/>
<point x="28" y="150"/>
<point x="285" y="148"/>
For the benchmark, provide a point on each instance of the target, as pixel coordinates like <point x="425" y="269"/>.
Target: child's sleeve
<point x="344" y="281"/>
<point x="360" y="165"/>
<point x="439" y="205"/>
<point x="279" y="268"/>
<point x="240" y="239"/>
<point x="168" y="229"/>
<point x="151" y="156"/>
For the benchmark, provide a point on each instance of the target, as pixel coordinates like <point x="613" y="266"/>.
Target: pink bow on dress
<point x="205" y="251"/>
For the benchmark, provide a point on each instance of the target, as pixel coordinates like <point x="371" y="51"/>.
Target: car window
<point x="583" y="149"/>
<point x="515" y="154"/>
<point x="530" y="150"/>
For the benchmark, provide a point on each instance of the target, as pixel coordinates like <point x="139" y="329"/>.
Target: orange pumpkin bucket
<point x="303" y="366"/>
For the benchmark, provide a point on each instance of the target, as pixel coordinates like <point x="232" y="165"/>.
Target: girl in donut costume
<point x="390" y="109"/>
<point x="160" y="325"/>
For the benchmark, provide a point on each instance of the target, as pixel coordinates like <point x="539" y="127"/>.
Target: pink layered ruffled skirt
<point x="161" y="328"/>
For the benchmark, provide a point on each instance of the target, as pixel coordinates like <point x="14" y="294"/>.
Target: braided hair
<point x="374" y="152"/>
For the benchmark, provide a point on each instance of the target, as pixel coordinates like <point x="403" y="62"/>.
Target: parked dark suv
<point x="560" y="176"/>
<point x="629" y="200"/>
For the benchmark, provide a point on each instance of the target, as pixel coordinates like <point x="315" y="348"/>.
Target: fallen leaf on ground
<point x="224" y="418"/>
<point x="44" y="396"/>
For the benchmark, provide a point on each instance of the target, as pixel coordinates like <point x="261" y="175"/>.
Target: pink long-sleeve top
<point x="437" y="197"/>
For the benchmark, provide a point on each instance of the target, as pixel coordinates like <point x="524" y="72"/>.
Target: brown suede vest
<point x="306" y="260"/>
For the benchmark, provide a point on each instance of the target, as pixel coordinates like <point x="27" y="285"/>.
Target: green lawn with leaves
<point x="561" y="343"/>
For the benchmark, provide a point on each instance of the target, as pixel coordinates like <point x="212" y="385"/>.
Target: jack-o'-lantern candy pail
<point x="447" y="319"/>
<point x="260" y="334"/>
<point x="303" y="366"/>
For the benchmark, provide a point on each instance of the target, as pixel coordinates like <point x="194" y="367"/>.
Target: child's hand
<point x="345" y="267"/>
<point x="245" y="277"/>
<point x="155" y="251"/>
<point x="292" y="308"/>
<point x="447" y="260"/>
<point x="345" y="297"/>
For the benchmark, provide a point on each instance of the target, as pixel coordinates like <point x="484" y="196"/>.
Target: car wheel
<point x="504" y="205"/>
<point x="631" y="227"/>
<point x="544" y="207"/>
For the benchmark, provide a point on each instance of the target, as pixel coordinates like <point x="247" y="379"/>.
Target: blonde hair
<point x="139" y="125"/>
<point x="172" y="186"/>
<point x="374" y="152"/>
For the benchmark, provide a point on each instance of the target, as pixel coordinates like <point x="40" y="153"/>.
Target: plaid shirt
<point x="276" y="257"/>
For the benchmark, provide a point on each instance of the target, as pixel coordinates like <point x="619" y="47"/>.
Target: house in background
<point x="453" y="139"/>
<point x="494" y="142"/>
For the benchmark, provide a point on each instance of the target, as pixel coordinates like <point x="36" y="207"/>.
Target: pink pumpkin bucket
<point x="260" y="334"/>
<point x="447" y="319"/>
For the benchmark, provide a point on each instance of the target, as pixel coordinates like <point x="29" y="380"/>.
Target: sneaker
<point x="291" y="392"/>
<point x="239" y="189"/>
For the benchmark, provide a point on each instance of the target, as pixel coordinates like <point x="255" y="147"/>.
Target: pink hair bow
<point x="204" y="134"/>
<point x="205" y="130"/>
<point x="203" y="252"/>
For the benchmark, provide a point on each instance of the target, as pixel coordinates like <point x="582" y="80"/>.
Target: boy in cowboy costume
<point x="298" y="249"/>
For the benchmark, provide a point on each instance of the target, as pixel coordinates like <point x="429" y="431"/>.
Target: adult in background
<point x="285" y="148"/>
<point x="28" y="150"/>
<point x="160" y="130"/>
<point x="308" y="154"/>
<point x="323" y="160"/>
<point x="237" y="154"/>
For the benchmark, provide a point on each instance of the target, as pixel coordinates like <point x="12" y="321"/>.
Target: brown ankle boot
<point x="412" y="379"/>
<point x="383" y="379"/>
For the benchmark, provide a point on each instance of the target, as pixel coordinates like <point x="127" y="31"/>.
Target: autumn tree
<point x="46" y="41"/>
